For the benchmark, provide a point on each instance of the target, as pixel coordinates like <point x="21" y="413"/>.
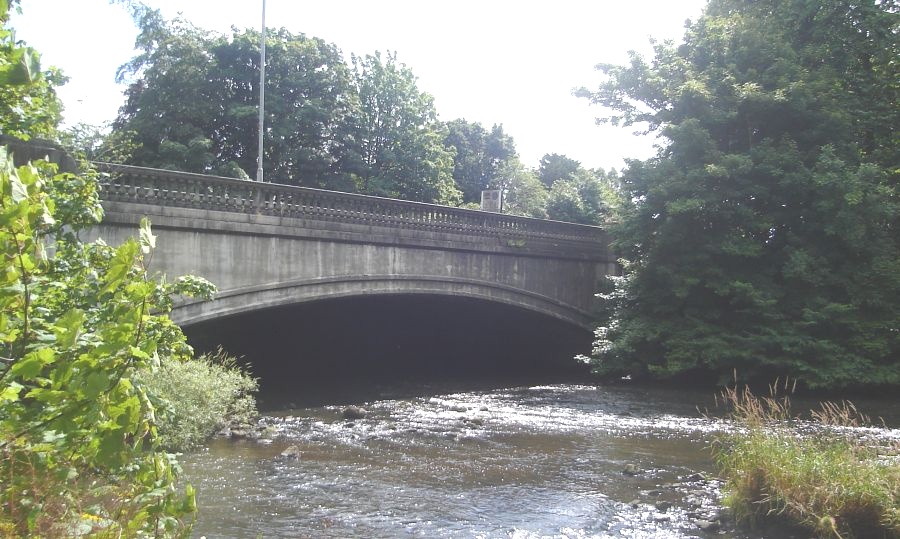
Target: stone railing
<point x="122" y="183"/>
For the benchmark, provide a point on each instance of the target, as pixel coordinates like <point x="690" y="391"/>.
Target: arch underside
<point x="248" y="299"/>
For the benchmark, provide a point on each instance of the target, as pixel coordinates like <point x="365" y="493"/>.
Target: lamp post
<point x="262" y="93"/>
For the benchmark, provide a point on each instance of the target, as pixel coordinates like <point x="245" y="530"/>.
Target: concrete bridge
<point x="267" y="245"/>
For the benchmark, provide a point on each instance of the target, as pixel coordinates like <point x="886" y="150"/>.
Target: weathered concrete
<point x="274" y="257"/>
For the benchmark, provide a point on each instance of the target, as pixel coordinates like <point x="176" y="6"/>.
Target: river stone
<point x="693" y="501"/>
<point x="634" y="503"/>
<point x="291" y="452"/>
<point x="708" y="525"/>
<point x="242" y="434"/>
<point x="630" y="469"/>
<point x="663" y="506"/>
<point x="724" y="515"/>
<point x="354" y="412"/>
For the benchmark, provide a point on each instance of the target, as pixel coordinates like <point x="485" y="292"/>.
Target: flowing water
<point x="561" y="461"/>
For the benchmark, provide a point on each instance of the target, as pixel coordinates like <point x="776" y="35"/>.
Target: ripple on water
<point x="542" y="461"/>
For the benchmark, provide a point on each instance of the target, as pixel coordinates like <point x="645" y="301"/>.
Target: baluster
<point x="185" y="190"/>
<point x="287" y="204"/>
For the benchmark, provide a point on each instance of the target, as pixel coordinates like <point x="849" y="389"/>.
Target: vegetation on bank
<point x="97" y="384"/>
<point x="763" y="236"/>
<point x="198" y="397"/>
<point x="82" y="325"/>
<point x="825" y="479"/>
<point x="79" y="445"/>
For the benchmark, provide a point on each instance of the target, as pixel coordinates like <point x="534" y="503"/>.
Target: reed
<point x="818" y="474"/>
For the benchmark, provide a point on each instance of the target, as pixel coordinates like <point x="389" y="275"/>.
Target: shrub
<point x="196" y="398"/>
<point x="824" y="478"/>
<point x="78" y="446"/>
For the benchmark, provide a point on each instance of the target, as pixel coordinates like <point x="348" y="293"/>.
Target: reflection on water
<point x="547" y="461"/>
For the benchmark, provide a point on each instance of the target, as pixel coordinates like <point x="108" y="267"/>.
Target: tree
<point x="557" y="167"/>
<point x="523" y="193"/>
<point x="579" y="198"/>
<point x="74" y="424"/>
<point x="763" y="237"/>
<point x="400" y="143"/>
<point x="193" y="104"/>
<point x="480" y="155"/>
<point x="171" y="110"/>
<point x="78" y="442"/>
<point x="29" y="106"/>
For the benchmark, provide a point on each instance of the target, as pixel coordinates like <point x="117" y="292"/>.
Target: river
<point x="561" y="461"/>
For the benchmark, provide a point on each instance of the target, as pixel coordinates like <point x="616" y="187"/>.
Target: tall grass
<point x="824" y="479"/>
<point x="198" y="397"/>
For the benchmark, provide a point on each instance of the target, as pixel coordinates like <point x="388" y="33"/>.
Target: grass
<point x="198" y="397"/>
<point x="825" y="479"/>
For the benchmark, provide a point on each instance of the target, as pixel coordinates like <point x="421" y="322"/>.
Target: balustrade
<point x="183" y="189"/>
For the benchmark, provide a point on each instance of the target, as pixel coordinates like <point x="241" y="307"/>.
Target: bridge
<point x="267" y="245"/>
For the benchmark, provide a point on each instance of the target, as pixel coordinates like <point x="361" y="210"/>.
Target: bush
<point x="196" y="398"/>
<point x="823" y="479"/>
<point x="79" y="452"/>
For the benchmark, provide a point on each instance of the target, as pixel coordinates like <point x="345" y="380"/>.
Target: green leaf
<point x="148" y="240"/>
<point x="112" y="447"/>
<point x="19" y="191"/>
<point x="11" y="392"/>
<point x="97" y="383"/>
<point x="119" y="266"/>
<point x="32" y="364"/>
<point x="69" y="327"/>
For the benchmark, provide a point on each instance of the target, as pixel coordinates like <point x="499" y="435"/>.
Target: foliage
<point x="764" y="236"/>
<point x="192" y="103"/>
<point x="554" y="166"/>
<point x="831" y="483"/>
<point x="196" y="398"/>
<point x="401" y="153"/>
<point x="97" y="143"/>
<point x="74" y="328"/>
<point x="523" y="193"/>
<point x="29" y="106"/>
<point x="480" y="156"/>
<point x="582" y="197"/>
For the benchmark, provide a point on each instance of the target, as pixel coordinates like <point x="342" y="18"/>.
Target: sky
<point x="513" y="63"/>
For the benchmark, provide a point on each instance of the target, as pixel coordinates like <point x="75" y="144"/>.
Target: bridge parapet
<point x="123" y="183"/>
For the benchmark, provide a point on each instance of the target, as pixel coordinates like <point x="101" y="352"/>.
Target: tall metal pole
<point x="262" y="93"/>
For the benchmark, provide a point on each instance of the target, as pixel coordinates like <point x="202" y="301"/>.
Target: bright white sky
<point x="507" y="62"/>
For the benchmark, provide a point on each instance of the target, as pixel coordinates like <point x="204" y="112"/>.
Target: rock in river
<point x="354" y="412"/>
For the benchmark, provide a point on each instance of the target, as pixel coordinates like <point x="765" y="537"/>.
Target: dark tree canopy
<point x="579" y="197"/>
<point x="192" y="101"/>
<point x="193" y="104"/>
<point x="399" y="142"/>
<point x="554" y="166"/>
<point x="763" y="237"/>
<point x="481" y="156"/>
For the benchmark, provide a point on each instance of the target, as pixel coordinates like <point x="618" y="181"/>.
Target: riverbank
<point x="833" y="476"/>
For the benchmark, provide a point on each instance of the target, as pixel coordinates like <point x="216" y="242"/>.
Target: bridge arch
<point x="254" y="298"/>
